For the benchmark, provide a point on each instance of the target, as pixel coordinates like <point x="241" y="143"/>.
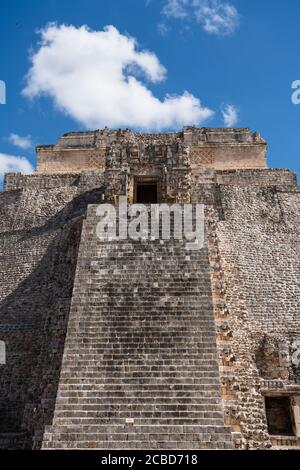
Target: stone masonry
<point x="140" y="366"/>
<point x="142" y="344"/>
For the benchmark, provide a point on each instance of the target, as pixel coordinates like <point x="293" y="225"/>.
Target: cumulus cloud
<point x="14" y="164"/>
<point x="24" y="142"/>
<point x="230" y="115"/>
<point x="100" y="79"/>
<point x="215" y="16"/>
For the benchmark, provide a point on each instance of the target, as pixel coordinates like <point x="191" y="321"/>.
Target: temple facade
<point x="142" y="344"/>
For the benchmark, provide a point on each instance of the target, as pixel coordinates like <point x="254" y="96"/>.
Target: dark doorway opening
<point x="146" y="192"/>
<point x="279" y="416"/>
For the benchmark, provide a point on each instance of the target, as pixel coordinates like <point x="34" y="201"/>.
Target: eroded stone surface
<point x="249" y="307"/>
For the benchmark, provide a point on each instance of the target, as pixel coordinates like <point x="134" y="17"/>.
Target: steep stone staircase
<point x="140" y="366"/>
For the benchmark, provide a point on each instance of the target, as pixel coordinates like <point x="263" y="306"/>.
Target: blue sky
<point x="246" y="58"/>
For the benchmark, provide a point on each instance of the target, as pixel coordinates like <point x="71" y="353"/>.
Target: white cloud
<point x="24" y="142"/>
<point x="176" y="8"/>
<point x="13" y="164"/>
<point x="215" y="16"/>
<point x="163" y="29"/>
<point x="97" y="78"/>
<point x="230" y="115"/>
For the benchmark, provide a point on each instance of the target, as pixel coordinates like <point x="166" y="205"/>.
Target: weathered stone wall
<point x="79" y="182"/>
<point x="53" y="160"/>
<point x="39" y="237"/>
<point x="267" y="177"/>
<point x="220" y="149"/>
<point x="254" y="250"/>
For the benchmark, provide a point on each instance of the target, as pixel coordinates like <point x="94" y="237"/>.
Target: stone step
<point x="96" y="371"/>
<point x="204" y="408"/>
<point x="96" y="315"/>
<point x="143" y="387"/>
<point x="91" y="355"/>
<point x="136" y="386"/>
<point x="168" y="394"/>
<point x="101" y="365"/>
<point x="65" y="417"/>
<point x="89" y="340"/>
<point x="138" y="429"/>
<point x="156" y="309"/>
<point x="154" y="320"/>
<point x="99" y="328"/>
<point x="183" y="398"/>
<point x="137" y="445"/>
<point x="106" y="335"/>
<point x="143" y="381"/>
<point x="204" y="357"/>
<point x="89" y="380"/>
<point x="132" y="362"/>
<point x="129" y="437"/>
<point x="128" y="379"/>
<point x="122" y="413"/>
<point x="147" y="319"/>
<point x="94" y="335"/>
<point x="106" y="366"/>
